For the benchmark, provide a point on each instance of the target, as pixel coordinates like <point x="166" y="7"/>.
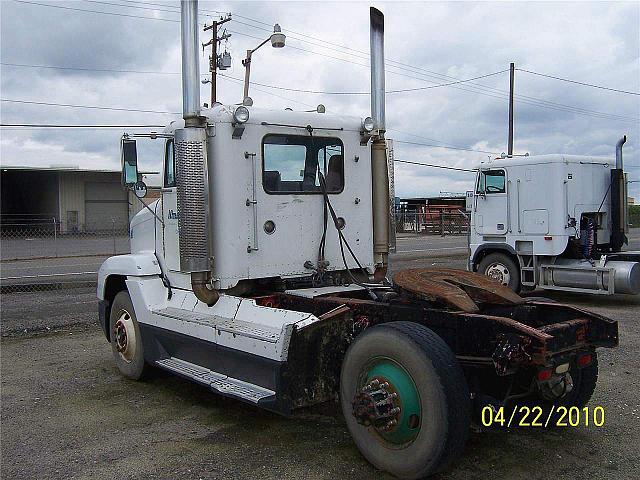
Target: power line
<point x="321" y="92"/>
<point x="576" y="82"/>
<point x="477" y="88"/>
<point x="444" y="146"/>
<point x="435" y="166"/>
<point x="110" y="70"/>
<point x="34" y="126"/>
<point x="482" y="89"/>
<point x="96" y="11"/>
<point x="501" y="95"/>
<point x="96" y="107"/>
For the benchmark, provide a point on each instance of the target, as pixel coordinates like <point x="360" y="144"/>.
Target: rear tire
<point x="433" y="424"/>
<point x="501" y="268"/>
<point x="126" y="341"/>
<point x="584" y="384"/>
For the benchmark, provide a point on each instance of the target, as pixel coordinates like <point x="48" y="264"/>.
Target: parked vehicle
<point x="556" y="222"/>
<point x="260" y="274"/>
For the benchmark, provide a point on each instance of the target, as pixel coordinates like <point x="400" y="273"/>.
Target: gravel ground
<point x="67" y="413"/>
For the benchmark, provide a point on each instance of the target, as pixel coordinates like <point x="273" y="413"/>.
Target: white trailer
<point x="260" y="273"/>
<point x="556" y="222"/>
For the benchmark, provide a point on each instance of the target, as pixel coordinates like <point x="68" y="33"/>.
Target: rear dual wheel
<point x="405" y="399"/>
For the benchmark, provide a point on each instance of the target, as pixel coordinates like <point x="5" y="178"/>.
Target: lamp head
<point x="277" y="37"/>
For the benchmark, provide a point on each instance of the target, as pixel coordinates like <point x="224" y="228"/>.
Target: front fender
<point x="131" y="265"/>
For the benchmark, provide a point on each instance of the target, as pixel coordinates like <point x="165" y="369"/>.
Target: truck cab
<point x="552" y="221"/>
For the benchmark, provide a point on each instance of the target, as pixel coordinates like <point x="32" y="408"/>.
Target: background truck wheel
<point x="584" y="384"/>
<point x="405" y="399"/>
<point x="502" y="269"/>
<point x="126" y="342"/>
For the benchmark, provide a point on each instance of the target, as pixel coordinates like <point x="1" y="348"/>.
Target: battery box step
<point x="218" y="382"/>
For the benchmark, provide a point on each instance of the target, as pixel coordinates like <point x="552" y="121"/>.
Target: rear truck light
<point x="548" y="237"/>
<point x="544" y="375"/>
<point x="564" y="368"/>
<point x="584" y="359"/>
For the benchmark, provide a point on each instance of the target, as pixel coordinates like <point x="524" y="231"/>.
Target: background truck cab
<point x="555" y="222"/>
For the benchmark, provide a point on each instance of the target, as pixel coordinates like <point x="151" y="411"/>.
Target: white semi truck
<point x="260" y="273"/>
<point x="555" y="222"/>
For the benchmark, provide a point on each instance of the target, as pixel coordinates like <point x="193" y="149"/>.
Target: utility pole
<point x="512" y="68"/>
<point x="213" y="59"/>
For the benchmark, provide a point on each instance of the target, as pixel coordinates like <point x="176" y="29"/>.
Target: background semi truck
<point x="260" y="273"/>
<point x="556" y="222"/>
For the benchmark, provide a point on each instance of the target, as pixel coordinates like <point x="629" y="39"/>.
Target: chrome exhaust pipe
<point x="376" y="40"/>
<point x="379" y="168"/>
<point x="619" y="145"/>
<point x="192" y="180"/>
<point x="619" y="202"/>
<point x="190" y="64"/>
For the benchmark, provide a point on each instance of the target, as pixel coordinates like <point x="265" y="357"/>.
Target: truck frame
<point x="260" y="273"/>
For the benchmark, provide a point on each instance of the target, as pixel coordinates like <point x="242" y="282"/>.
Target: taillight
<point x="584" y="359"/>
<point x="544" y="375"/>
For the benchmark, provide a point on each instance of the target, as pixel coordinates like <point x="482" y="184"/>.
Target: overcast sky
<point x="427" y="43"/>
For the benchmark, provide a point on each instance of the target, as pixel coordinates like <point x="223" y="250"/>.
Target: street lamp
<point x="277" y="39"/>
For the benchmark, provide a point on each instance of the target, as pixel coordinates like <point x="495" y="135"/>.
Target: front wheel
<point x="126" y="342"/>
<point x="502" y="269"/>
<point x="405" y="399"/>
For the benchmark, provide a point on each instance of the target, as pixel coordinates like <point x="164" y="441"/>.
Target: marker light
<point x="544" y="375"/>
<point x="367" y="124"/>
<point x="241" y="114"/>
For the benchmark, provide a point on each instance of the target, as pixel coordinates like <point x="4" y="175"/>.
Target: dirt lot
<point x="67" y="413"/>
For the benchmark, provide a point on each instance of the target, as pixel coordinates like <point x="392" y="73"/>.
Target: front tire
<point x="407" y="367"/>
<point x="126" y="341"/>
<point x="501" y="268"/>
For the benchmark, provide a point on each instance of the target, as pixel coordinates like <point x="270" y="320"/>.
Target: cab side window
<point x="169" y="165"/>
<point x="491" y="181"/>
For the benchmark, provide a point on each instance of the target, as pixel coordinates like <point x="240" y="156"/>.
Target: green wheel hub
<point x="388" y="400"/>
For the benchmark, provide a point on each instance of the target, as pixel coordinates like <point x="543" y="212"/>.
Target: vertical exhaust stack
<point x="619" y="201"/>
<point x="379" y="170"/>
<point x="191" y="166"/>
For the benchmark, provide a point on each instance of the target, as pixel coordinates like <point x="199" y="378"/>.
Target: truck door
<point x="491" y="203"/>
<point x="170" y="211"/>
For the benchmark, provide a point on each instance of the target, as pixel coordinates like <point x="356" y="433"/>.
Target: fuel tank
<point x="582" y="274"/>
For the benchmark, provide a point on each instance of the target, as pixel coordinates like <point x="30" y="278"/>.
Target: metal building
<point x="78" y="200"/>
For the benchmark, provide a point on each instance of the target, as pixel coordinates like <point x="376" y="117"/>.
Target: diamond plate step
<point x="217" y="382"/>
<point x="235" y="327"/>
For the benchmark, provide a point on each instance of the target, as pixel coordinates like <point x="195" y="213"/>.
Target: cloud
<point x="426" y="43"/>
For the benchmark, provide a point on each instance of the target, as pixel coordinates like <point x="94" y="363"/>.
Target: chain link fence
<point x="43" y="254"/>
<point x="433" y="222"/>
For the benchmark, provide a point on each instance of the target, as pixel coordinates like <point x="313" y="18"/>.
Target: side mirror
<point x="129" y="162"/>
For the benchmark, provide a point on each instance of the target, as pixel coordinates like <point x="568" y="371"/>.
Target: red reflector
<point x="544" y="375"/>
<point x="584" y="360"/>
<point x="548" y="237"/>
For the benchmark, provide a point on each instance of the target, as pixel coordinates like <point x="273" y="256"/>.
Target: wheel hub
<point x="125" y="336"/>
<point x="376" y="405"/>
<point x="388" y="400"/>
<point x="499" y="273"/>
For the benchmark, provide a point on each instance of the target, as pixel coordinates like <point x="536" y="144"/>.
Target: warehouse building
<point x="78" y="200"/>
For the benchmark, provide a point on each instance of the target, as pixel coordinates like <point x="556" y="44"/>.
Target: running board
<point x="222" y="384"/>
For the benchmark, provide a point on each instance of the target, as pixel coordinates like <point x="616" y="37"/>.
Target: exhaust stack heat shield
<point x="193" y="201"/>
